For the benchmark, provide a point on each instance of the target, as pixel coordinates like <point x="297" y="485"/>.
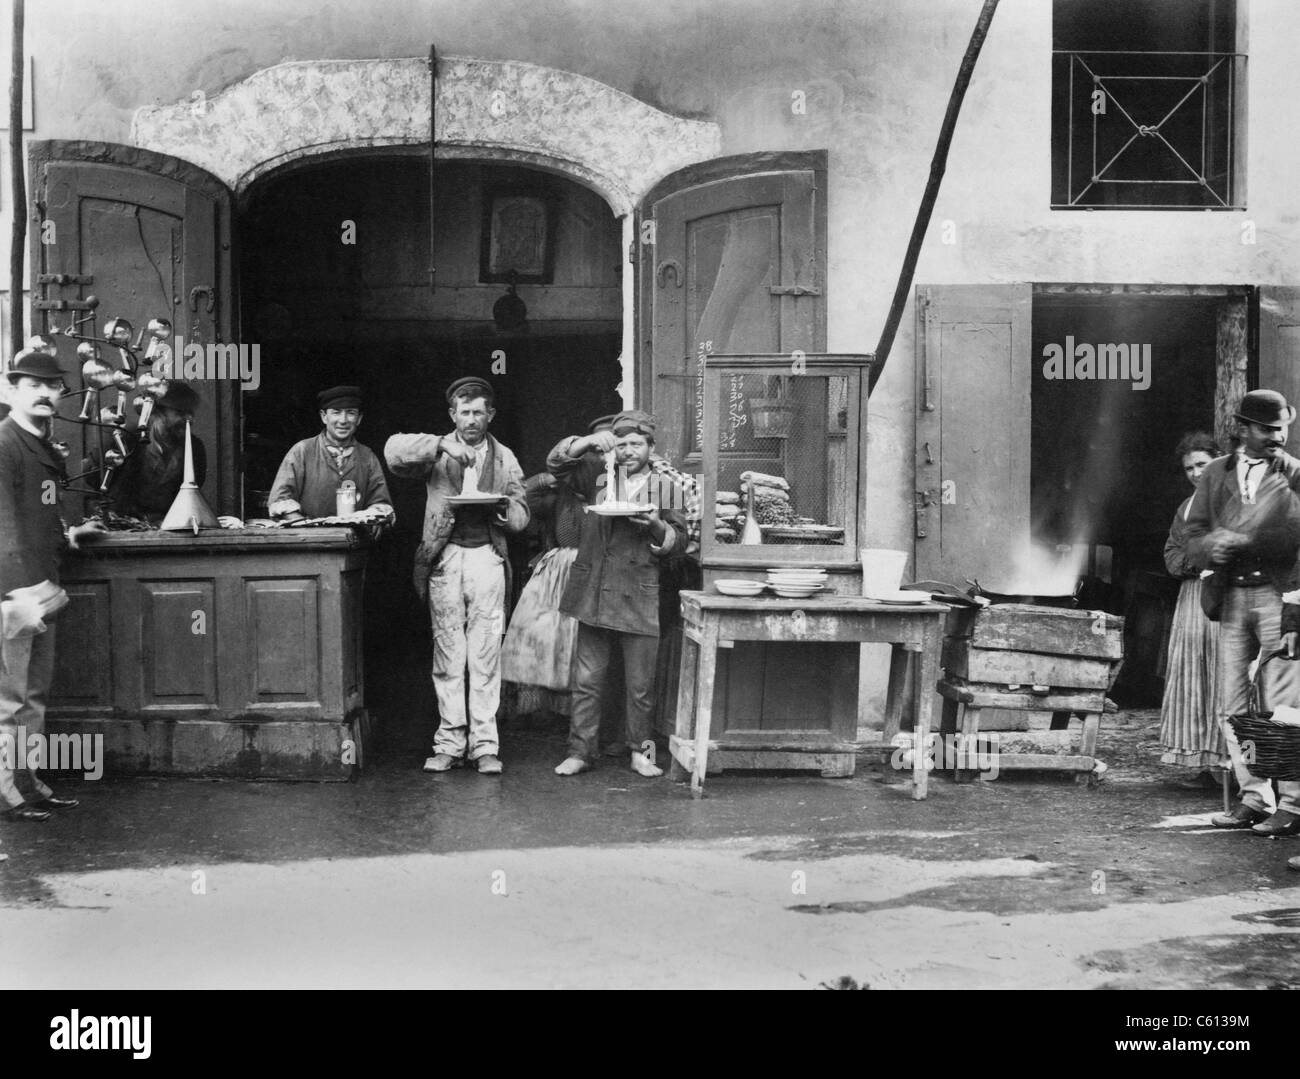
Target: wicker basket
<point x="1276" y="745"/>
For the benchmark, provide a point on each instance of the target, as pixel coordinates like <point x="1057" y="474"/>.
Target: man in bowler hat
<point x="32" y="535"/>
<point x="1244" y="524"/>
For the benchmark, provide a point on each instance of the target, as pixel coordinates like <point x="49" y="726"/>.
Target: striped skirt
<point x="1189" y="733"/>
<point x="537" y="653"/>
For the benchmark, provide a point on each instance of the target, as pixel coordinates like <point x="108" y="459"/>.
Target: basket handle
<point x="1255" y="701"/>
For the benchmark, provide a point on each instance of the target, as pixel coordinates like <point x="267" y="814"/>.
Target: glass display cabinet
<point x="784" y="473"/>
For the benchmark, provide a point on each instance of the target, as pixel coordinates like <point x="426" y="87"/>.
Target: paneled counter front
<point x="233" y="652"/>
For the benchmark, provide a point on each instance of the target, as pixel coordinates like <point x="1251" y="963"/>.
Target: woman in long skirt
<point x="1189" y="732"/>
<point x="537" y="653"/>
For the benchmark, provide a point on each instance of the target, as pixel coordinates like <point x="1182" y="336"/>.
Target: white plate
<point x="796" y="591"/>
<point x="616" y="511"/>
<point x="901" y="597"/>
<point x="474" y="500"/>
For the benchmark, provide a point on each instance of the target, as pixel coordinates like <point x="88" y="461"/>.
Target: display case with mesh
<point x="782" y="476"/>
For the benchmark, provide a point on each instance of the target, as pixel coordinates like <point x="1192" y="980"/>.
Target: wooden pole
<point x="937" y="166"/>
<point x="433" y="143"/>
<point x="18" y="239"/>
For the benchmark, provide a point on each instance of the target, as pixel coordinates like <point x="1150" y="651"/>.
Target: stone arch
<point x="503" y="110"/>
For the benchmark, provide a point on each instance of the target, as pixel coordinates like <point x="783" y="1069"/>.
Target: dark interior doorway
<point x="1105" y="481"/>
<point x="335" y="287"/>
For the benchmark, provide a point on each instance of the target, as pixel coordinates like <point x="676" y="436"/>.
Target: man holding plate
<point x="632" y="526"/>
<point x="475" y="498"/>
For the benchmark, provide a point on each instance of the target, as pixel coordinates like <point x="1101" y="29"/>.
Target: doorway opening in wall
<point x="1120" y="374"/>
<point x="335" y="287"/>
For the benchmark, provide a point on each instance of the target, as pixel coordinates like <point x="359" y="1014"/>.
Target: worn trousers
<point x="466" y="607"/>
<point x="590" y="667"/>
<point x="1251" y="625"/>
<point x="24" y="686"/>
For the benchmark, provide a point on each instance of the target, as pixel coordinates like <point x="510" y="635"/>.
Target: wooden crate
<point x="1005" y="668"/>
<point x="1024" y="627"/>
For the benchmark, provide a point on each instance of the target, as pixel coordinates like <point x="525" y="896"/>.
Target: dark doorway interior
<point x="335" y="287"/>
<point x="1103" y="469"/>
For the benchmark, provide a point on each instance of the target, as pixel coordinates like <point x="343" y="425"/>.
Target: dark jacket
<point x="1177" y="561"/>
<point x="31" y="528"/>
<point x="614" y="582"/>
<point x="1271" y="527"/>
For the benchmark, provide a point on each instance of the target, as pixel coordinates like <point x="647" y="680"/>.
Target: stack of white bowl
<point x="796" y="583"/>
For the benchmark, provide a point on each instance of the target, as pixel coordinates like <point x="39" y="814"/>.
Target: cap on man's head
<point x="602" y="422"/>
<point x="469" y="387"/>
<point x="1268" y="408"/>
<point x="34" y="364"/>
<point x="634" y="420"/>
<point x="339" y="397"/>
<point x="181" y="397"/>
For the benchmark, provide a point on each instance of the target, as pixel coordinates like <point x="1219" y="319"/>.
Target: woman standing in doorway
<point x="1189" y="734"/>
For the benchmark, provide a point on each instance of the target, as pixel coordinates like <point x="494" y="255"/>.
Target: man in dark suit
<point x="1244" y="523"/>
<point x="31" y="536"/>
<point x="613" y="588"/>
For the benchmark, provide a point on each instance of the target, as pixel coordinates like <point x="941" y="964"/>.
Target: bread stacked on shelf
<point x="771" y="498"/>
<point x="729" y="518"/>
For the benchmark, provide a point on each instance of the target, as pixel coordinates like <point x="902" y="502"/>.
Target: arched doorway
<point x="335" y="287"/>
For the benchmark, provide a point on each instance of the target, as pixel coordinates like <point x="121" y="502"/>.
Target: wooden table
<point x="712" y="621"/>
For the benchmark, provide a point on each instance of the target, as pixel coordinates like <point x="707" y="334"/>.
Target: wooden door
<point x="1279" y="349"/>
<point x="149" y="236"/>
<point x="972" y="493"/>
<point x="737" y="265"/>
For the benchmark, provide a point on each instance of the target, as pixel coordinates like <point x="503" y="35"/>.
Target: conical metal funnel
<point x="189" y="509"/>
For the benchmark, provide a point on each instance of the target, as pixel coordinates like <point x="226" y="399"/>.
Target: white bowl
<point x="738" y="587"/>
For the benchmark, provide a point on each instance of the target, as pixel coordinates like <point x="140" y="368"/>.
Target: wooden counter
<point x="233" y="652"/>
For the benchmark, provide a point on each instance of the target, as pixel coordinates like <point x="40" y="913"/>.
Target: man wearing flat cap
<point x="307" y="484"/>
<point x="146" y="483"/>
<point x="462" y="569"/>
<point x="1244" y="525"/>
<point x="613" y="587"/>
<point x="32" y="534"/>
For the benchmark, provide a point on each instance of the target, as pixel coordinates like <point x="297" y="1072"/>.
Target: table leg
<point x="684" y="724"/>
<point x="926" y="679"/>
<point x="967" y="738"/>
<point x="708" y="666"/>
<point x="898" y="661"/>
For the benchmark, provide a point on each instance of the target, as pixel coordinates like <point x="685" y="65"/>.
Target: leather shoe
<point x="1240" y="816"/>
<point x="488" y="765"/>
<point x="1280" y="823"/>
<point x="26" y="812"/>
<point x="57" y="803"/>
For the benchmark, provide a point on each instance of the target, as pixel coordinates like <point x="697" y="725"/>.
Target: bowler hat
<point x="339" y="397"/>
<point x="634" y="419"/>
<point x="33" y="364"/>
<point x="1268" y="408"/>
<point x="181" y="397"/>
<point x="471" y="386"/>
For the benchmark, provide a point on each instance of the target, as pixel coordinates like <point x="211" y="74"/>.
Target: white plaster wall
<point x="876" y="75"/>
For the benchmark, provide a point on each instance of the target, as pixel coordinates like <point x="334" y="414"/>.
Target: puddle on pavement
<point x="1244" y="961"/>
